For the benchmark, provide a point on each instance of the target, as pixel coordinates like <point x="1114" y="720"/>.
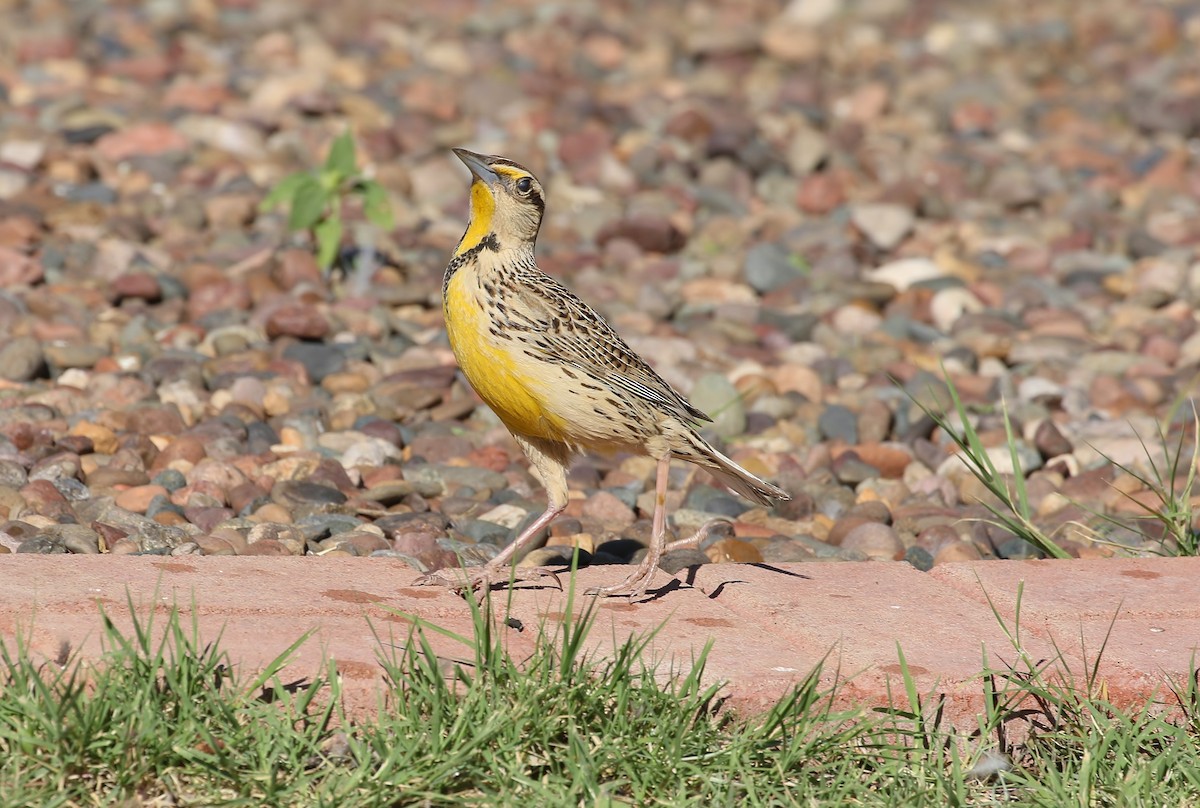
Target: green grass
<point x="1170" y="475"/>
<point x="162" y="719"/>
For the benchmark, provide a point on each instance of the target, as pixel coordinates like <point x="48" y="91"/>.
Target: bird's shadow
<point x="651" y="595"/>
<point x="690" y="578"/>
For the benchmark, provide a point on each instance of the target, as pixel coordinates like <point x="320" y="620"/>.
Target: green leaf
<point x="331" y="182"/>
<point x="283" y="191"/>
<point x="376" y="205"/>
<point x="329" y="238"/>
<point x="341" y="158"/>
<point x="308" y="204"/>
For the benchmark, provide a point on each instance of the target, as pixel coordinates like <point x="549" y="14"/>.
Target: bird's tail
<point x="732" y="475"/>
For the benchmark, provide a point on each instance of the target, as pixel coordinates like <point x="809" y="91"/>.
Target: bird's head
<point x="507" y="204"/>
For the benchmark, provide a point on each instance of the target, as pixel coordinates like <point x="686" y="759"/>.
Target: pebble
<point x="842" y="527"/>
<point x="12" y="474"/>
<point x="507" y="516"/>
<point x="301" y="493"/>
<point x="838" y="423"/>
<point x="103" y="439"/>
<point x="56" y="467"/>
<point x="1049" y="440"/>
<point x="368" y="451"/>
<point x="391" y="492"/>
<point x="851" y="469"/>
<point x="287" y="537"/>
<point x="904" y="273"/>
<point x="872" y="511"/>
<point x="297" y="320"/>
<point x="652" y="233"/>
<point x="770" y="266"/>
<point x="61" y="355"/>
<point x="458" y="476"/>
<point x="734" y="551"/>
<point x="1017" y="549"/>
<point x="138" y="498"/>
<point x="874" y="540"/>
<point x="919" y="557"/>
<point x="884" y="224"/>
<point x="43" y="545"/>
<point x="674" y="562"/>
<point x="21" y="359"/>
<point x="947" y="306"/>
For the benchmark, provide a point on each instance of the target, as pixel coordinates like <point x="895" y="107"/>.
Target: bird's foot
<point x="469" y="579"/>
<point x="639" y="580"/>
<point x="694" y="541"/>
<point x="633" y="586"/>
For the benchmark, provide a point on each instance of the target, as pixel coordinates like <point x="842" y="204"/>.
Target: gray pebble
<point x="628" y="494"/>
<point x="12" y="474"/>
<point x="430" y="521"/>
<point x="677" y="560"/>
<point x="160" y="504"/>
<point x="292" y="493"/>
<point x="715" y="501"/>
<point x="56" y="466"/>
<point x="483" y="531"/>
<point x="319" y="359"/>
<point x="73" y="354"/>
<point x="43" y="545"/>
<point x="827" y="552"/>
<point x="838" y="422"/>
<point x="317" y="526"/>
<point x="1018" y="549"/>
<point x="75" y="538"/>
<point x="170" y="479"/>
<point x="784" y="550"/>
<point x="394" y="491"/>
<point x="289" y="536"/>
<point x="850" y="469"/>
<point x="72" y="489"/>
<point x="97" y="192"/>
<point x="21" y="359"/>
<point x="919" y="557"/>
<point x="798" y="326"/>
<point x="769" y="266"/>
<point x="151" y="537"/>
<point x="476" y="478"/>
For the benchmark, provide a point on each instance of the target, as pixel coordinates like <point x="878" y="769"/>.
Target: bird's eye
<point x="524" y="185"/>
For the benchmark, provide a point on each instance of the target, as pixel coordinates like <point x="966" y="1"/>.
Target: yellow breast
<point x="504" y="378"/>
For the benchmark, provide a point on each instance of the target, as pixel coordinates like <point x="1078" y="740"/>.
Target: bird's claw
<point x="639" y="580"/>
<point x="633" y="587"/>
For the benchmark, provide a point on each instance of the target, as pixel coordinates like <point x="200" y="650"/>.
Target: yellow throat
<point x="483" y="209"/>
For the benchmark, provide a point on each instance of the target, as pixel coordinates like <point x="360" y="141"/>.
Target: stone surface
<point x="797" y="613"/>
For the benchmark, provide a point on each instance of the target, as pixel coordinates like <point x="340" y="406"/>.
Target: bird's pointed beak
<point x="478" y="165"/>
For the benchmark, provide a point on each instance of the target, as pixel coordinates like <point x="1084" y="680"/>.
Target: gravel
<point x="796" y="212"/>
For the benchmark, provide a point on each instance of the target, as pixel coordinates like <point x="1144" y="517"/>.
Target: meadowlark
<point x="555" y="372"/>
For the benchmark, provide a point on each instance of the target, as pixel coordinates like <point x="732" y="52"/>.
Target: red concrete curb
<point x="769" y="625"/>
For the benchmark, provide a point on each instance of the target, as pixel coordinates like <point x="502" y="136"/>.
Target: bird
<point x="559" y="377"/>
